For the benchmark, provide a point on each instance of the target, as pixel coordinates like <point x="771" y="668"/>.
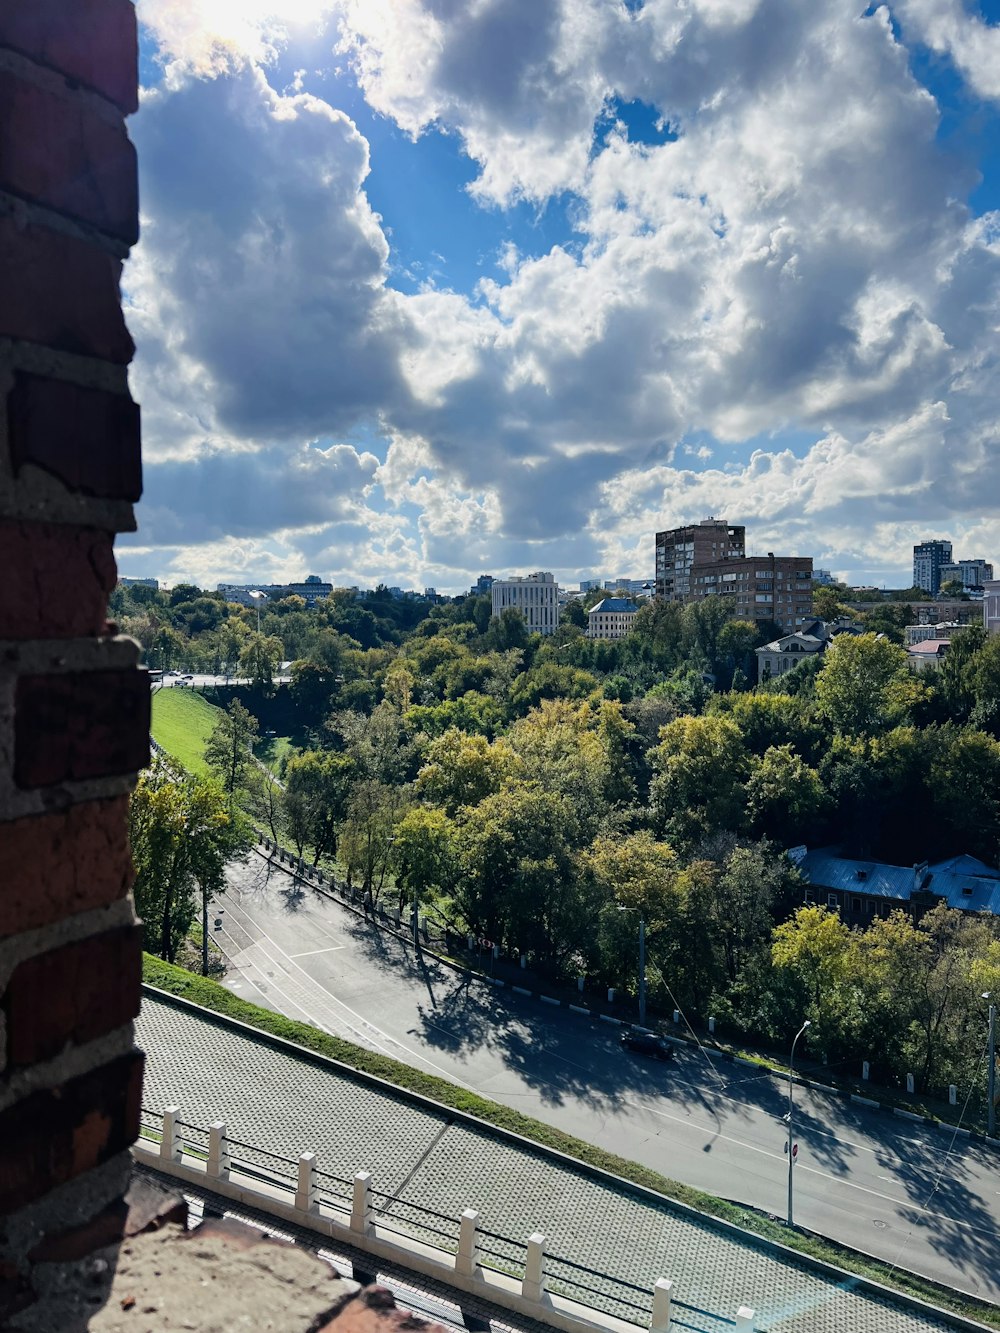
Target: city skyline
<point x="422" y="292"/>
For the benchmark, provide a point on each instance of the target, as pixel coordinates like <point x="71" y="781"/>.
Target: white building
<point x="991" y="606"/>
<point x="947" y="629"/>
<point x="612" y="618"/>
<point x="536" y="596"/>
<point x="781" y="655"/>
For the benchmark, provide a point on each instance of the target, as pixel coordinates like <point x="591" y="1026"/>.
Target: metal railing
<point x="527" y="1275"/>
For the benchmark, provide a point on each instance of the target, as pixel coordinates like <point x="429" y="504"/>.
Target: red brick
<point x="80" y="725"/>
<point x="59" y="152"/>
<point x="93" y="41"/>
<point x="62" y="292"/>
<point x="53" y="866"/>
<point x="52" y="1136"/>
<point x="73" y="994"/>
<point x="88" y="438"/>
<point x="64" y="578"/>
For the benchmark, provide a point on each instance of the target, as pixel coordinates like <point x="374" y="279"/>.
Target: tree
<point x="518" y="881"/>
<point x="784" y="795"/>
<point x="258" y="658"/>
<point x="699" y="767"/>
<point x="181" y="836"/>
<point x="817" y="950"/>
<point x="463" y="770"/>
<point x="229" y="749"/>
<point x="424" y="852"/>
<point x="373" y="810"/>
<point x="865" y="685"/>
<point x="754" y="880"/>
<point x="317" y="791"/>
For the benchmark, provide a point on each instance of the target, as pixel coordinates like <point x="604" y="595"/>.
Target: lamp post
<point x="791" y="1157"/>
<point x="991" y="1072"/>
<point x="257" y="595"/>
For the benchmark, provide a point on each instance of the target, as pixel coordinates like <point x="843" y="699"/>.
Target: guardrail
<point x="523" y="1275"/>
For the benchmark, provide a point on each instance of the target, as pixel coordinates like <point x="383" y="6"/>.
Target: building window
<point x="856" y="905"/>
<point x="831" y="900"/>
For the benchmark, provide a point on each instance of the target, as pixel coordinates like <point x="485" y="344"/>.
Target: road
<point x="910" y="1194"/>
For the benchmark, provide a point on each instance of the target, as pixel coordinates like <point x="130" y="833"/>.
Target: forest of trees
<point x="547" y="793"/>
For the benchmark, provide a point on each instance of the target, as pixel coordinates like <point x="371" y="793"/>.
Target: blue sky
<point x="430" y="289"/>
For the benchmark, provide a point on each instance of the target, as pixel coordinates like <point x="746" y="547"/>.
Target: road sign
<point x="795" y="1151"/>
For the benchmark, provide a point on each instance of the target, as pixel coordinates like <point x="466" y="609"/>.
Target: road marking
<point x="334" y="948"/>
<point x="814" y="1171"/>
<point x="331" y="998"/>
<point x="586" y="1068"/>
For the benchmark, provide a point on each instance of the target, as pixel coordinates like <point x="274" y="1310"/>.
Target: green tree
<point x="697" y="788"/>
<point x="817" y="951"/>
<point x="463" y="770"/>
<point x="865" y="685"/>
<point x="784" y="796"/>
<point x="317" y="791"/>
<point x="182" y="836"/>
<point x="424" y="853"/>
<point x="259" y="657"/>
<point x="229" y="749"/>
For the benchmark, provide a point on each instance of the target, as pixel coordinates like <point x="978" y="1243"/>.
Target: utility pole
<point x="642" y="973"/>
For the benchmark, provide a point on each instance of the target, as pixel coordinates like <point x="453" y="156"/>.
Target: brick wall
<point x="74" y="709"/>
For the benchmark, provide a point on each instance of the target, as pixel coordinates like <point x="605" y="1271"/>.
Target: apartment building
<point x="777" y="588"/>
<point x="969" y="573"/>
<point x="536" y="596"/>
<point x="928" y="557"/>
<point x="678" y="550"/>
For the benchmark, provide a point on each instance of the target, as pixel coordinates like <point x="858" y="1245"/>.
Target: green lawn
<point x="182" y="723"/>
<point x="271" y="750"/>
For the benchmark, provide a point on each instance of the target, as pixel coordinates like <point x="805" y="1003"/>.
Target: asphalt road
<point x="913" y="1195"/>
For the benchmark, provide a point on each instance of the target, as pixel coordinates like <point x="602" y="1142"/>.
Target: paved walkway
<point x="288" y="1105"/>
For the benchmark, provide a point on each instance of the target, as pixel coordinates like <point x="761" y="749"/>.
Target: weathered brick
<point x="62" y="292"/>
<point x="54" y="866"/>
<point x="88" y="438"/>
<point x="93" y="41"/>
<point x="73" y="994"/>
<point x="65" y="576"/>
<point x="59" y="152"/>
<point x="52" y="1136"/>
<point x="80" y="725"/>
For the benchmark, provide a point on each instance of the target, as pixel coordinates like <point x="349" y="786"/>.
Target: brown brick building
<point x="770" y="587"/>
<point x="680" y="549"/>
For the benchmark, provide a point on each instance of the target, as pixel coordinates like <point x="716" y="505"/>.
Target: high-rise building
<point x="928" y="558"/>
<point x="536" y="596"/>
<point x="775" y="588"/>
<point x="680" y="549"/>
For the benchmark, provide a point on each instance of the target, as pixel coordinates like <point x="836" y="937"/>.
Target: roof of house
<point x="929" y="647"/>
<point x="962" y="881"/>
<point x="614" y="604"/>
<point x="807" y="643"/>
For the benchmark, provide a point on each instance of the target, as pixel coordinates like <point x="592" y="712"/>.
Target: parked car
<point x="648" y="1043"/>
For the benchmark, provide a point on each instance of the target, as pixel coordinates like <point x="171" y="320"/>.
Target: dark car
<point x="648" y="1043"/>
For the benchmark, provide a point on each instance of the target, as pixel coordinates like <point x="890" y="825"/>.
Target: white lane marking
<point x="554" y="1056"/>
<point x="814" y="1171"/>
<point x="416" y="1055"/>
<point x="333" y="948"/>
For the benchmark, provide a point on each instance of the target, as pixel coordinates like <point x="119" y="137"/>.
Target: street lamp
<point x="791" y="1158"/>
<point x="991" y="1072"/>
<point x="257" y="595"/>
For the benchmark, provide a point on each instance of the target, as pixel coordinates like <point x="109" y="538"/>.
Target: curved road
<point x="914" y="1195"/>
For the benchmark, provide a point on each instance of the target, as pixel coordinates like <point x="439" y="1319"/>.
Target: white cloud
<point x="947" y="26"/>
<point x="795" y="254"/>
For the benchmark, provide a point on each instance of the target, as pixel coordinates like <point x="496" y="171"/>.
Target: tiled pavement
<point x="277" y="1101"/>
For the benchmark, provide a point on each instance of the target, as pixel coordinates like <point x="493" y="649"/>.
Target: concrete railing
<point x="525" y="1276"/>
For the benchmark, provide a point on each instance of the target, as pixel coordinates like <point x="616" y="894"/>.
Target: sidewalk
<point x="286" y="1104"/>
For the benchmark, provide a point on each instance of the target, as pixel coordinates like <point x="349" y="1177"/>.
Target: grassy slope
<point x="182" y="723"/>
<point x="213" y="996"/>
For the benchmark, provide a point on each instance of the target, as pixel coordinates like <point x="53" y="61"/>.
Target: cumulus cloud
<point x="792" y="253"/>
